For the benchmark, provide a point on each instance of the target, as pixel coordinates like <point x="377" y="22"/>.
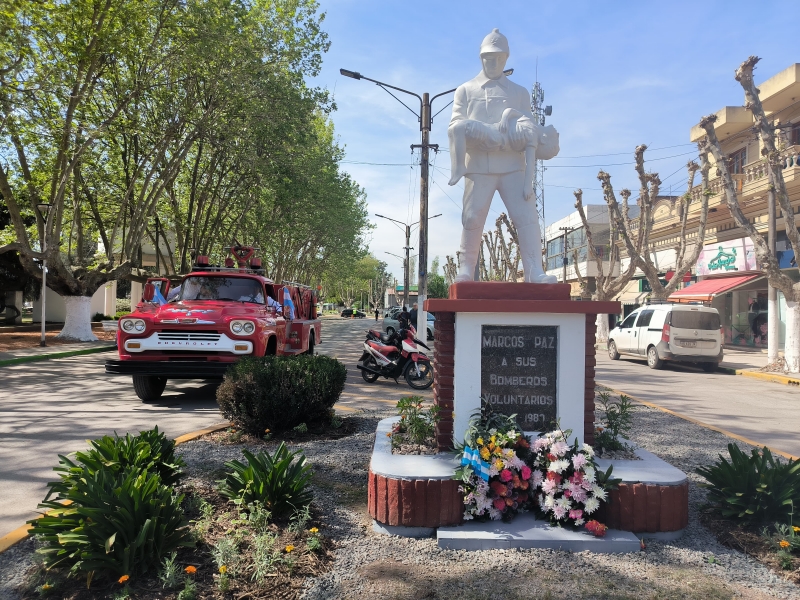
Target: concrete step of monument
<point x="525" y="531"/>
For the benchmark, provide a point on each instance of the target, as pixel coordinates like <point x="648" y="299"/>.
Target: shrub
<point x="150" y="450"/>
<point x="754" y="488"/>
<point x="279" y="481"/>
<point x="101" y="317"/>
<point x="119" y="523"/>
<point x="416" y="422"/>
<point x="617" y="423"/>
<point x="278" y="393"/>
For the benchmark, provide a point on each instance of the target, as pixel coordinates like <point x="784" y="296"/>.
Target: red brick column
<point x="443" y="365"/>
<point x="646" y="508"/>
<point x="588" y="394"/>
<point x="414" y="502"/>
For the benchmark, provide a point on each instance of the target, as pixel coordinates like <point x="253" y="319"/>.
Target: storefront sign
<point x="726" y="257"/>
<point x="519" y="371"/>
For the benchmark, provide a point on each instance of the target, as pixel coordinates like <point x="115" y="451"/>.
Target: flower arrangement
<point x="494" y="478"/>
<point x="565" y="480"/>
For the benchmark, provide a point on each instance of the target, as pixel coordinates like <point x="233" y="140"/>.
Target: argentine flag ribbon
<point x="158" y="297"/>
<point x="473" y="458"/>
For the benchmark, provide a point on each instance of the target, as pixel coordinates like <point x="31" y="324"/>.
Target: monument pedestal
<point x="523" y="348"/>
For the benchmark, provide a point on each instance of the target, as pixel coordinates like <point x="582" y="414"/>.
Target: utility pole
<point x="540" y="111"/>
<point x="566" y="231"/>
<point x="773" y="330"/>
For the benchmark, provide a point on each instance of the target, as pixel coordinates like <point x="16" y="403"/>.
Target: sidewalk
<point x="55" y="351"/>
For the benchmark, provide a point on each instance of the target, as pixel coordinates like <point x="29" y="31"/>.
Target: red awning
<point x="704" y="291"/>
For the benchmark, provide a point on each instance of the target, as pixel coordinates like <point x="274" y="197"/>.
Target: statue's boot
<point x="530" y="244"/>
<point x="470" y="246"/>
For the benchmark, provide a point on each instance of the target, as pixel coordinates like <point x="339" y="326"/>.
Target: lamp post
<point x="44" y="209"/>
<point x="425" y="121"/>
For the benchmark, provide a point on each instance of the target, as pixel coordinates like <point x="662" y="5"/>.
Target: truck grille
<point x="188" y="337"/>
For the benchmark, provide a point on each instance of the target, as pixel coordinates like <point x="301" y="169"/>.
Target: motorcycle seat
<point x="385" y="350"/>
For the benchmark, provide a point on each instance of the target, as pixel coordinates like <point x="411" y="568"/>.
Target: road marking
<point x="725" y="432"/>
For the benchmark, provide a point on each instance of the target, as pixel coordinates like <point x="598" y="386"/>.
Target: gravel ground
<point x="370" y="565"/>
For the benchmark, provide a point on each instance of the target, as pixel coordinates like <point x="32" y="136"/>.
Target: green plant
<point x="278" y="481"/>
<point x="265" y="556"/>
<point x="784" y="540"/>
<point x="224" y="582"/>
<point x="299" y="520"/>
<point x="149" y="451"/>
<point x="753" y="488"/>
<point x="170" y="574"/>
<point x="336" y="422"/>
<point x="278" y="393"/>
<point x="258" y="517"/>
<point x="313" y="541"/>
<point x="189" y="591"/>
<point x="119" y="523"/>
<point x="226" y="554"/>
<point x="302" y="428"/>
<point x="416" y="422"/>
<point x="617" y="422"/>
<point x="123" y="594"/>
<point x="101" y="317"/>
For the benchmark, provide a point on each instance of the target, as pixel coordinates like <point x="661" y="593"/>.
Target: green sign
<point x="644" y="285"/>
<point x="723" y="261"/>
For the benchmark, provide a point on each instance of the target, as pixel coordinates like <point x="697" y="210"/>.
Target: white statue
<point x="494" y="145"/>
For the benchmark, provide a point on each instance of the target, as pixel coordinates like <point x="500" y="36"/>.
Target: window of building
<point x="738" y="160"/>
<point x="795" y="135"/>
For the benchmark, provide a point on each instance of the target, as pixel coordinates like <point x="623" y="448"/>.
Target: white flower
<point x="560" y="448"/>
<point x="579" y="522"/>
<point x="588" y="473"/>
<point x="564" y="503"/>
<point x="599" y="492"/>
<point x="549" y="501"/>
<point x="558" y="466"/>
<point x="494" y="514"/>
<point x="592" y="504"/>
<point x="588" y="450"/>
<point x="468" y="515"/>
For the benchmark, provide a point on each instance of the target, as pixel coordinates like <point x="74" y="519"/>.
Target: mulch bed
<point x="747" y="538"/>
<point x="20" y="340"/>
<point x="233" y="436"/>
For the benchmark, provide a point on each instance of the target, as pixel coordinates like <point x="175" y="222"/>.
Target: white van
<point x="665" y="331"/>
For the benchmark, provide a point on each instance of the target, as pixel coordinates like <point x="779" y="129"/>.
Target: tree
<point x="777" y="187"/>
<point x="641" y="251"/>
<point x="500" y="259"/>
<point x="437" y="286"/>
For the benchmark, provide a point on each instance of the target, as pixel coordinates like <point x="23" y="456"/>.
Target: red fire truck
<point x="218" y="315"/>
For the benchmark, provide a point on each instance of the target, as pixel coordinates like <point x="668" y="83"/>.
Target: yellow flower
<point x="46" y="587"/>
<point x="388" y="435"/>
<point x="313" y="530"/>
<point x="266" y="431"/>
<point x="480" y="441"/>
<point x="498" y="451"/>
<point x="796" y="529"/>
<point x="223" y="569"/>
<point x="491" y="446"/>
<point x="191" y="570"/>
<point x="485" y="453"/>
<point x="289" y="548"/>
<point x="493" y="439"/>
<point x="123" y="579"/>
<point x="784" y="544"/>
<point x="498" y="465"/>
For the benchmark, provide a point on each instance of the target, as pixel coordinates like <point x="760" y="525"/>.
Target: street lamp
<point x="425" y="121"/>
<point x="44" y="210"/>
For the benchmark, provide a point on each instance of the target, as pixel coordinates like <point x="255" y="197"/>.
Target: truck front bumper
<point x="175" y="369"/>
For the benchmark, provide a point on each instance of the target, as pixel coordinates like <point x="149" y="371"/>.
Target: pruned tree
<point x="450" y="268"/>
<point x="777" y="186"/>
<point x="499" y="256"/>
<point x="638" y="243"/>
<point x="607" y="284"/>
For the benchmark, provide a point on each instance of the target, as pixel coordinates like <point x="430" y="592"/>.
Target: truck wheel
<point x="149" y="387"/>
<point x="310" y="350"/>
<point x="653" y="361"/>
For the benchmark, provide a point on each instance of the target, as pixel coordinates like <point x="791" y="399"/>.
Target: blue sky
<point x="616" y="73"/>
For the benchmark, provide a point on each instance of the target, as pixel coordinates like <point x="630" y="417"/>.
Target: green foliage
<point x="225" y="553"/>
<point x="277" y="481"/>
<point x="278" y="393"/>
<point x="299" y="520"/>
<point x="784" y="540"/>
<point x="266" y="558"/>
<point x="170" y="574"/>
<point x="753" y="488"/>
<point x="189" y="591"/>
<point x="119" y="523"/>
<point x="437" y="286"/>
<point x="416" y="422"/>
<point x="616" y="424"/>
<point x="149" y="451"/>
<point x="101" y="317"/>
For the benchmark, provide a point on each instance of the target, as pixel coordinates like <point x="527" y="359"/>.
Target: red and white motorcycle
<point x="396" y="355"/>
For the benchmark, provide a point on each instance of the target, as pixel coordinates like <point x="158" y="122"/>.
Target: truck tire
<point x="149" y="387"/>
<point x="653" y="360"/>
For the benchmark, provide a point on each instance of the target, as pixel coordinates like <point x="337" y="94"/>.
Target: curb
<point x="771" y="377"/>
<point x="725" y="432"/>
<point x="20" y="533"/>
<point x="38" y="357"/>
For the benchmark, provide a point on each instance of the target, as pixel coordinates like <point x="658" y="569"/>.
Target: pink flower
<point x="576" y="513"/>
<point x="549" y="486"/>
<point x="567" y="493"/>
<point x="499" y="503"/>
<point x="540" y="444"/>
<point x="579" y="495"/>
<point x="559" y="512"/>
<point x="526" y="472"/>
<point x="578" y="461"/>
<point x="537" y="478"/>
<point x="505" y="475"/>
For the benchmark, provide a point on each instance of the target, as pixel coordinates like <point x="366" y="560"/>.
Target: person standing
<point x="413" y="314"/>
<point x="403" y="318"/>
<point x="377" y="312"/>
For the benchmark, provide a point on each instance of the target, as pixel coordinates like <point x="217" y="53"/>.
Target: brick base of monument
<point x="644" y="508"/>
<point x="414" y="502"/>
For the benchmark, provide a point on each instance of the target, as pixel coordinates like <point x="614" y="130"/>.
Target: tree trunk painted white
<point x="78" y="324"/>
<point x="791" y="350"/>
<point x="601" y="337"/>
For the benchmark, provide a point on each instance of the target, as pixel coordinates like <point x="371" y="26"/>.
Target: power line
<point x="617" y="164"/>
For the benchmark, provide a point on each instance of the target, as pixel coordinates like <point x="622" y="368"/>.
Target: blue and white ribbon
<point x="473" y="458"/>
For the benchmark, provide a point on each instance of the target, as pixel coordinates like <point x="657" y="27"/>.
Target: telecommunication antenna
<point x="540" y="111"/>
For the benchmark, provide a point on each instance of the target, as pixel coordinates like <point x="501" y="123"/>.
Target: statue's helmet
<point x="495" y="42"/>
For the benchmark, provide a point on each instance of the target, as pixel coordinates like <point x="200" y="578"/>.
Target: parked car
<point x="391" y="324"/>
<point x="687" y="333"/>
<point x="348" y="312"/>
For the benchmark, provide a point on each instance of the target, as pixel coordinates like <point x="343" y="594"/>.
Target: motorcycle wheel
<point x="425" y="378"/>
<point x="370" y="377"/>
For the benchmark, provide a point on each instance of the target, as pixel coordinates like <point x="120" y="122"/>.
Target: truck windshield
<point x="690" y="319"/>
<point x="222" y="288"/>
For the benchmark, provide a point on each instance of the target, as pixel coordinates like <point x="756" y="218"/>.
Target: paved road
<point x="768" y="413"/>
<point x="52" y="407"/>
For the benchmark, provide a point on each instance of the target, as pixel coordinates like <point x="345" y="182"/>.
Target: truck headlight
<point x="242" y="327"/>
<point x="131" y="325"/>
